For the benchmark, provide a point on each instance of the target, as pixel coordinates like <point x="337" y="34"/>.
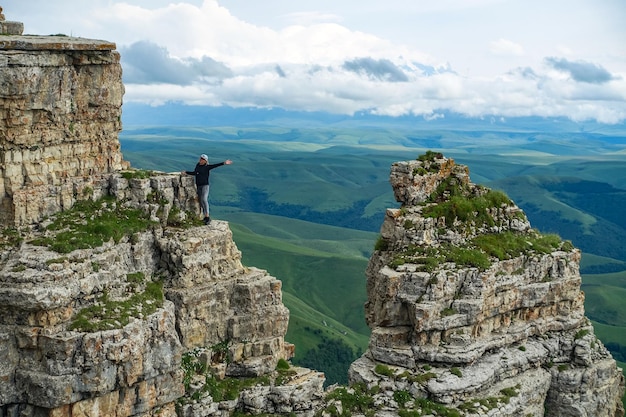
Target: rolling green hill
<point x="604" y="298"/>
<point x="307" y="204"/>
<point x="332" y="281"/>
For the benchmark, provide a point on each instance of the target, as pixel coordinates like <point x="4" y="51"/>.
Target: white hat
<point x="203" y="156"/>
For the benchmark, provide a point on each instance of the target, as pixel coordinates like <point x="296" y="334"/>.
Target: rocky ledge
<point x="115" y="299"/>
<point x="126" y="305"/>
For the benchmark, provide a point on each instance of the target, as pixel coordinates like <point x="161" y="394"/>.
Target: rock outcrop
<point x="60" y="108"/>
<point x="115" y="300"/>
<point x="473" y="311"/>
<point x="128" y="360"/>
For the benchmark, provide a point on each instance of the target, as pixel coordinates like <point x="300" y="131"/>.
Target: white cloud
<point x="159" y="94"/>
<point x="391" y="58"/>
<point x="506" y="47"/>
<point x="310" y="18"/>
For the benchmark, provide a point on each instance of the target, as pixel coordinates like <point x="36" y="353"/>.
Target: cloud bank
<point x="327" y="67"/>
<point x="199" y="52"/>
<point x="577" y="90"/>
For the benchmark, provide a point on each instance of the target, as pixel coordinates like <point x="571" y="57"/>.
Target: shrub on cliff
<point x="480" y="251"/>
<point x="10" y="237"/>
<point x="463" y="207"/>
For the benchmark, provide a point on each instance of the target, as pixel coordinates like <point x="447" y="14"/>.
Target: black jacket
<point x="201" y="172"/>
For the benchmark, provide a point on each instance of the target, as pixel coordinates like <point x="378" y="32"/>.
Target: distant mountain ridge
<point x="176" y="114"/>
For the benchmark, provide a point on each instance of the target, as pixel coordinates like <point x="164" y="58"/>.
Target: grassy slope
<point x="604" y="304"/>
<point x="331" y="283"/>
<point x="590" y="261"/>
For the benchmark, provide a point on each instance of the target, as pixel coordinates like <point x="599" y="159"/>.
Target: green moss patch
<point x="508" y="245"/>
<point x="426" y="407"/>
<point x="10" y="237"/>
<point x="138" y="174"/>
<point x="477" y="404"/>
<point x="109" y="314"/>
<point x="91" y="223"/>
<point x="480" y="251"/>
<point x="430" y="156"/>
<point x="429" y="258"/>
<point x="219" y="389"/>
<point x="356" y="399"/>
<point x="186" y="220"/>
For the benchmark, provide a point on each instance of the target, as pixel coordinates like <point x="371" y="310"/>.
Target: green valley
<point x="306" y="204"/>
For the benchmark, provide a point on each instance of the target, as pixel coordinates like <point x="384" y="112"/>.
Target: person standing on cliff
<point x="201" y="174"/>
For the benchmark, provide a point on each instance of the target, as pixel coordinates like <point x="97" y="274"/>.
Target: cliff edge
<point x="115" y="300"/>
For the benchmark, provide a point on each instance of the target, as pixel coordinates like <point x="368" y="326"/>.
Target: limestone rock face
<point x="210" y="299"/>
<point x="137" y="323"/>
<point x="60" y="107"/>
<point x="459" y="313"/>
<point x="470" y="309"/>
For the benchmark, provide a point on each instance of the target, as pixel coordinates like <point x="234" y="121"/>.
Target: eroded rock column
<point x="467" y="302"/>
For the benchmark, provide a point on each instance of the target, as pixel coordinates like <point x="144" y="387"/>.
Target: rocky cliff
<point x="106" y="329"/>
<point x="115" y="300"/>
<point x="60" y="107"/>
<point x="473" y="312"/>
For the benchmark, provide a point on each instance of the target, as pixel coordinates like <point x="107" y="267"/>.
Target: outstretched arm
<point x="219" y="164"/>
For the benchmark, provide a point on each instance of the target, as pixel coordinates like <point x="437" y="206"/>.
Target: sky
<point x="479" y="58"/>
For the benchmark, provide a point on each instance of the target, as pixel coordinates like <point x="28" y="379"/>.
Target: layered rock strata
<point x="138" y="323"/>
<point x="60" y="115"/>
<point x="472" y="312"/>
<point x="466" y="303"/>
<point x="51" y="367"/>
